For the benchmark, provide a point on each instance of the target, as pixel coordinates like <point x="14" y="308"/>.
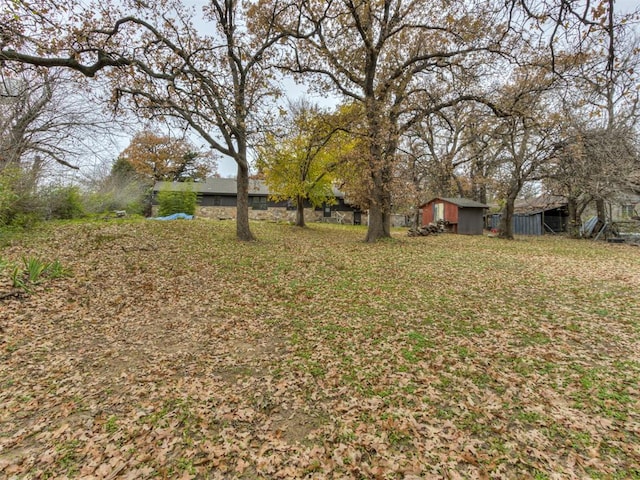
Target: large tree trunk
<point x="574" y="220"/>
<point x="379" y="210"/>
<point x="481" y="195"/>
<point x="581" y="207"/>
<point x="380" y="196"/>
<point x="506" y="220"/>
<point x="379" y="224"/>
<point x="243" y="232"/>
<point x="601" y="211"/>
<point x="300" y="212"/>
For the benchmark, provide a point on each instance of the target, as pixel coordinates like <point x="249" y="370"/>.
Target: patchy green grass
<point x="174" y="350"/>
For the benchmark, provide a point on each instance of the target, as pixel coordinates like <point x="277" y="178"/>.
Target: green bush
<point x="19" y="206"/>
<point x="177" y="201"/>
<point x="64" y="203"/>
<point x="8" y="198"/>
<point x="130" y="195"/>
<point x="26" y="220"/>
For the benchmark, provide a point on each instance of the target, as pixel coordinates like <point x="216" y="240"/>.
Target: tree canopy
<point x="300" y="158"/>
<point x="161" y="158"/>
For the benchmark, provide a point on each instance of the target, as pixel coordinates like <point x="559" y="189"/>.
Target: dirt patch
<point x="295" y="427"/>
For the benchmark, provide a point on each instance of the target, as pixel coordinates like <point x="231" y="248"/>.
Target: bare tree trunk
<point x="574" y="220"/>
<point x="300" y="212"/>
<point x="380" y="196"/>
<point x="461" y="191"/>
<point x="482" y="194"/>
<point x="379" y="211"/>
<point x="611" y="59"/>
<point x="506" y="220"/>
<point x="243" y="231"/>
<point x="601" y="211"/>
<point x="379" y="224"/>
<point x="580" y="210"/>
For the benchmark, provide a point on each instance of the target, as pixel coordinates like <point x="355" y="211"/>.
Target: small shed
<point x="459" y="215"/>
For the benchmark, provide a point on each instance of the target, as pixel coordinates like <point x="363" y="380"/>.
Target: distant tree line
<point x="463" y="98"/>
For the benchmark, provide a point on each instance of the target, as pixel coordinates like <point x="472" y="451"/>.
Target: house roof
<point x="215" y="186"/>
<point x="223" y="186"/>
<point x="460" y="202"/>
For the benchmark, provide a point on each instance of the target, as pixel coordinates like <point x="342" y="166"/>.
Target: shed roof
<point x="460" y="202"/>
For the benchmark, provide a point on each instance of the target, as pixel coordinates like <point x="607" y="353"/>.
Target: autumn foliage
<point x="161" y="158"/>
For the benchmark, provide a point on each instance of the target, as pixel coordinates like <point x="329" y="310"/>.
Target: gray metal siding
<point x="527" y="224"/>
<point x="522" y="224"/>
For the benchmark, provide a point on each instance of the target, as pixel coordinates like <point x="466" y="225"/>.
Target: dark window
<point x="258" y="203"/>
<point x="326" y="211"/>
<point x="216" y="201"/>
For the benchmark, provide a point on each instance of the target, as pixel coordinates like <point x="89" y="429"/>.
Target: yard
<point x="174" y="351"/>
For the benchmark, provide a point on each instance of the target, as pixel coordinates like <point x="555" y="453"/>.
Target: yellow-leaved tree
<point x="300" y="157"/>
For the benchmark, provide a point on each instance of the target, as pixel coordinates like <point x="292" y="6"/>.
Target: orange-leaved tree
<point x="162" y="158"/>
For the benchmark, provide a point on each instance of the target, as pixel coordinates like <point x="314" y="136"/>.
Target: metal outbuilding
<point x="536" y="216"/>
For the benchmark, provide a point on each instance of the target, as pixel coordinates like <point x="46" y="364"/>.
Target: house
<point x="218" y="198"/>
<point x="626" y="207"/>
<point x="460" y="215"/>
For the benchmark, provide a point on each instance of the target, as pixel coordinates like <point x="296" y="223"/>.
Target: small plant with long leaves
<point x="56" y="270"/>
<point x="18" y="279"/>
<point x="34" y="269"/>
<point x="3" y="264"/>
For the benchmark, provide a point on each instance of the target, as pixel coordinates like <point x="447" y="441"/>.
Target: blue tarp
<point x="175" y="216"/>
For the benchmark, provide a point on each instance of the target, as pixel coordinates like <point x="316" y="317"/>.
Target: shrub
<point x="26" y="220"/>
<point x="119" y="194"/>
<point x="33" y="271"/>
<point x="177" y="201"/>
<point x="18" y="204"/>
<point x="8" y="198"/>
<point x="65" y="203"/>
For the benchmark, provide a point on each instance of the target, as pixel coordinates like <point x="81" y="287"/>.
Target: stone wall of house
<point x="274" y="214"/>
<point x="398" y="220"/>
<point x="281" y="214"/>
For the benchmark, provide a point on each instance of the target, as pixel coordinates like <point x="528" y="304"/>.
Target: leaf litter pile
<point x="174" y="351"/>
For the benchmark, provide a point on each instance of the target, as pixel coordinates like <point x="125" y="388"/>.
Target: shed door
<point x="438" y="211"/>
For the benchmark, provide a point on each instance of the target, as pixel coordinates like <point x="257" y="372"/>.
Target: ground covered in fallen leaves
<point x="174" y="351"/>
